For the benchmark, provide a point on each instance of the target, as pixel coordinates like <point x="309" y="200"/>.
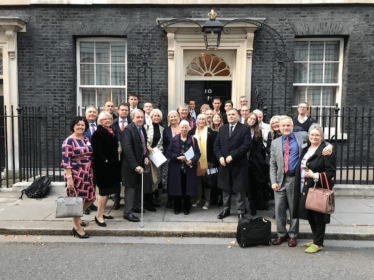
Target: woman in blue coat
<point x="182" y="173"/>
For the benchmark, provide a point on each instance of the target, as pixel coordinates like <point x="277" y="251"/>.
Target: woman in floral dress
<point x="76" y="152"/>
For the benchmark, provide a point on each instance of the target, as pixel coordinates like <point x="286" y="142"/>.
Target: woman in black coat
<point x="258" y="198"/>
<point x="311" y="164"/>
<point x="106" y="164"/>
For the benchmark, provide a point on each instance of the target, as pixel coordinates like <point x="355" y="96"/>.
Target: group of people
<point x="254" y="160"/>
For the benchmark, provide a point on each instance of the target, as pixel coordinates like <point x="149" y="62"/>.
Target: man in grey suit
<point x="285" y="153"/>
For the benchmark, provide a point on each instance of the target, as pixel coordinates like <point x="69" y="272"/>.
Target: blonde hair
<point x="316" y="126"/>
<point x="102" y="115"/>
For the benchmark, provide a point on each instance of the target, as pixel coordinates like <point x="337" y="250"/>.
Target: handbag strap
<point x="323" y="177"/>
<point x="327" y="181"/>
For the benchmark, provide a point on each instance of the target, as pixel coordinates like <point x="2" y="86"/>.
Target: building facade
<point x="71" y="54"/>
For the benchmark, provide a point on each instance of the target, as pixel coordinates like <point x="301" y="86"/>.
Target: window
<point x="102" y="71"/>
<point x="208" y="65"/>
<point x="318" y="67"/>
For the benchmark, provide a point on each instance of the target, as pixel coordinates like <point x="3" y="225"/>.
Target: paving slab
<point x="353" y="219"/>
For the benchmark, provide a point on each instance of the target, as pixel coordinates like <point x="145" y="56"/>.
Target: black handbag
<point x="253" y="232"/>
<point x="211" y="178"/>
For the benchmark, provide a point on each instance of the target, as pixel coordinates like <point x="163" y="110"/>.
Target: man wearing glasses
<point x="303" y="120"/>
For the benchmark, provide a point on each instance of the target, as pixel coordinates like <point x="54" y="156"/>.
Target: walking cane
<point x="141" y="203"/>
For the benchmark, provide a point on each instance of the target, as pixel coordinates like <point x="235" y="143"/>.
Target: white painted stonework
<point x="9" y="27"/>
<point x="236" y="49"/>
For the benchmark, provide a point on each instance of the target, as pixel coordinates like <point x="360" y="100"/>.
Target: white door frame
<point x="181" y="36"/>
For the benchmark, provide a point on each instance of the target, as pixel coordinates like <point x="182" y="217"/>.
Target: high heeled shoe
<point x="75" y="232"/>
<point x="103" y="224"/>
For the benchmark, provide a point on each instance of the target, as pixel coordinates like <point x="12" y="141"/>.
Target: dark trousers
<point x="182" y="200"/>
<point x="318" y="230"/>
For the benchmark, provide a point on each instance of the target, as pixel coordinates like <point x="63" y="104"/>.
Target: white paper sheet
<point x="157" y="157"/>
<point x="189" y="154"/>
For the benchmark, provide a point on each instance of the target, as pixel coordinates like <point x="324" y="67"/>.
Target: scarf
<point x="202" y="137"/>
<point x="110" y="131"/>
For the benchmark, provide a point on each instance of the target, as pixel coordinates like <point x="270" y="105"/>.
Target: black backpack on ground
<point x="38" y="189"/>
<point x="253" y="232"/>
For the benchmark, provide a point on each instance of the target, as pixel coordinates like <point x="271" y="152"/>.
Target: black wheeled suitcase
<point x="253" y="232"/>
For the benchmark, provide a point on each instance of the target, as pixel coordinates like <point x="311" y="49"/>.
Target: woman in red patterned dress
<point x="76" y="152"/>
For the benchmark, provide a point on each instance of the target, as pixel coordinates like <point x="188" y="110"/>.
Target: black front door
<point x="203" y="91"/>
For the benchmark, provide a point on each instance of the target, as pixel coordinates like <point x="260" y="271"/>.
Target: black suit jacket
<point x="116" y="127"/>
<point x="237" y="146"/>
<point x="133" y="155"/>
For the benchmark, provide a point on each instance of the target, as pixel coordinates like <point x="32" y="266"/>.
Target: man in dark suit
<point x="228" y="105"/>
<point x="91" y="117"/>
<point x="135" y="159"/>
<point x="118" y="126"/>
<point x="109" y="107"/>
<point x="231" y="147"/>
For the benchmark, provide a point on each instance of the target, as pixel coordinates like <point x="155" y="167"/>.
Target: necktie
<point x="143" y="140"/>
<point x="123" y="125"/>
<point x="286" y="154"/>
<point x="93" y="129"/>
<point x="230" y="131"/>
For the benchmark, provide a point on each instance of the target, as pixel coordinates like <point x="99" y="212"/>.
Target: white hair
<point x="257" y="111"/>
<point x="184" y="122"/>
<point x="102" y="115"/>
<point x="135" y="111"/>
<point x="154" y="111"/>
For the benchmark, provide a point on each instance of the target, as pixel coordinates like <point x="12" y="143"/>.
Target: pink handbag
<point x="320" y="199"/>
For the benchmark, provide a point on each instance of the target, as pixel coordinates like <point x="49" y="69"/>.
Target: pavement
<point x="353" y="218"/>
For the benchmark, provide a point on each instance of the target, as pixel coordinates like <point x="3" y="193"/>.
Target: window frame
<point x="338" y="85"/>
<point x="80" y="107"/>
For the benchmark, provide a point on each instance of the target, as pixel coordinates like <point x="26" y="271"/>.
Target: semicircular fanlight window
<point x="208" y="65"/>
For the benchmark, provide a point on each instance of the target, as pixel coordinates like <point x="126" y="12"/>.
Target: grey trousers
<point x="284" y="199"/>
<point x="240" y="201"/>
<point x="132" y="199"/>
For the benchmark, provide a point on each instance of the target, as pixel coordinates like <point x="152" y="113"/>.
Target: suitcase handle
<point x="263" y="219"/>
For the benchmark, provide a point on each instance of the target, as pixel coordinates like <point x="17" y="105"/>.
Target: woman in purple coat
<point x="182" y="173"/>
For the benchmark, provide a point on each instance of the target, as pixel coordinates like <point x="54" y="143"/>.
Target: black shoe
<point x="93" y="207"/>
<point x="223" y="214"/>
<point x="137" y="210"/>
<point x="108" y="217"/>
<point x="131" y="218"/>
<point x="75" y="232"/>
<point x="83" y="224"/>
<point x="150" y="208"/>
<point x="87" y="211"/>
<point x="186" y="212"/>
<point x="176" y="212"/>
<point x="103" y="224"/>
<point x="241" y="216"/>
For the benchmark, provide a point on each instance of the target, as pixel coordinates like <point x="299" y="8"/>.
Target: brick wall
<point x="46" y="52"/>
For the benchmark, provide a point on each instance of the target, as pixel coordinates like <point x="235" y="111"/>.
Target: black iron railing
<point x="31" y="138"/>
